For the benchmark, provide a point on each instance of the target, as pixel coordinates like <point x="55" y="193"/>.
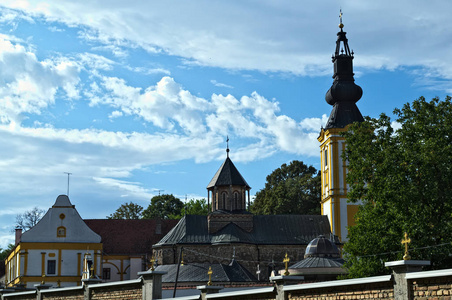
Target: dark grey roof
<point x="227" y="175"/>
<point x="197" y="272"/>
<point x="322" y="247"/>
<point x="267" y="230"/>
<point x="318" y="262"/>
<point x="343" y="114"/>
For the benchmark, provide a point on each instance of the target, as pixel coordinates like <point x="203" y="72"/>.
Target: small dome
<point x="322" y="247"/>
<point x="62" y="201"/>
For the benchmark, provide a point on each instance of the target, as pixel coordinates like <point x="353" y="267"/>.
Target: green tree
<point x="403" y="178"/>
<point x="163" y="206"/>
<point x="127" y="211"/>
<point x="29" y="218"/>
<point x="195" y="207"/>
<point x="290" y="189"/>
<point x="5" y="252"/>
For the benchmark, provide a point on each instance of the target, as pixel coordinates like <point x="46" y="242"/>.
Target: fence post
<point x="152" y="284"/>
<point x="39" y="287"/>
<point x="208" y="289"/>
<point x="282" y="280"/>
<point x="399" y="269"/>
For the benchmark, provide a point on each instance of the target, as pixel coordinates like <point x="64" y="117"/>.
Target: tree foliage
<point x="29" y="218"/>
<point x="290" y="189"/>
<point x="164" y="206"/>
<point x="127" y="211"/>
<point x="5" y="252"/>
<point x="403" y="178"/>
<point x="195" y="207"/>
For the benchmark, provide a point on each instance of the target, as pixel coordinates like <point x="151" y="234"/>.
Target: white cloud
<point x="219" y="84"/>
<point x="29" y="85"/>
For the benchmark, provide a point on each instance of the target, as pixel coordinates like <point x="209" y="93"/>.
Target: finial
<point x="43" y="278"/>
<point x="286" y="262"/>
<point x="340" y="19"/>
<point x="152" y="262"/>
<point x="406" y="240"/>
<point x="210" y="272"/>
<point x="227" y="146"/>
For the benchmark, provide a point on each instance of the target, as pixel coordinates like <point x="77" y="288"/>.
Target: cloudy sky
<point x="137" y="97"/>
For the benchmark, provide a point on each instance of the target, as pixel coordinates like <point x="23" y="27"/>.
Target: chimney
<point x="18" y="235"/>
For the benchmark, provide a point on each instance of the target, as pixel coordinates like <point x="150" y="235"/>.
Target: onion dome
<point x="344" y="93"/>
<point x="322" y="247"/>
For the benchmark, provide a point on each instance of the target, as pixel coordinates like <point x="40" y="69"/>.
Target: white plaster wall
<point x="327" y="210"/>
<point x="344" y="221"/>
<point x="135" y="267"/>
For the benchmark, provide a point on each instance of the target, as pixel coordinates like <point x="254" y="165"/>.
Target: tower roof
<point x="227" y="175"/>
<point x="344" y="93"/>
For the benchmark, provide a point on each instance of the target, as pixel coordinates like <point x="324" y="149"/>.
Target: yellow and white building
<point x="342" y="95"/>
<point x="53" y="250"/>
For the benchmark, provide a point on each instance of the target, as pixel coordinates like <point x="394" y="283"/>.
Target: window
<point x="326" y="157"/>
<point x="106" y="273"/>
<point x="61" y="231"/>
<point x="224" y="200"/>
<point x="51" y="266"/>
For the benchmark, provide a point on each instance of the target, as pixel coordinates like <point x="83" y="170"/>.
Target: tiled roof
<point x="197" y="272"/>
<point x="129" y="237"/>
<point x="267" y="230"/>
<point x="227" y="175"/>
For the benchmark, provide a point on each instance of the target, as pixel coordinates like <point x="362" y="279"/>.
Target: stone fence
<point x="407" y="281"/>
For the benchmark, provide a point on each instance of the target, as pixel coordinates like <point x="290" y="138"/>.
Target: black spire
<point x="344" y="93"/>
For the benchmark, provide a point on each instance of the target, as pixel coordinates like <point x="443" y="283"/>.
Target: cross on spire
<point x="227" y="146"/>
<point x="340" y="19"/>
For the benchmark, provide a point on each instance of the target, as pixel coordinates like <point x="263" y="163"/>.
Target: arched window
<point x="223" y="200"/>
<point x="61" y="231"/>
<point x="236" y="200"/>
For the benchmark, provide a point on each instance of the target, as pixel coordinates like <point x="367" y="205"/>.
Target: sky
<point x="136" y="98"/>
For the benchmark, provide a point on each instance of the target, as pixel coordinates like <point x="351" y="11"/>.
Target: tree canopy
<point x="5" y="252"/>
<point x="195" y="207"/>
<point x="164" y="206"/>
<point x="290" y="189"/>
<point x="127" y="211"/>
<point x="29" y="218"/>
<point x="402" y="174"/>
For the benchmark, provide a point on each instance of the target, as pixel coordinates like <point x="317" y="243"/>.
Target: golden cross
<point x="406" y="241"/>
<point x="152" y="263"/>
<point x="210" y="276"/>
<point x="92" y="271"/>
<point x="340" y="19"/>
<point x="43" y="278"/>
<point x="286" y="262"/>
<point x="182" y="259"/>
<point x="59" y="283"/>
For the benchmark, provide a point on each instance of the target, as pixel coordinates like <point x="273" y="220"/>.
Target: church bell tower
<point x="342" y="95"/>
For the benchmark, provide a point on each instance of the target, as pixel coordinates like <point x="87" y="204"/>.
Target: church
<point x="230" y="235"/>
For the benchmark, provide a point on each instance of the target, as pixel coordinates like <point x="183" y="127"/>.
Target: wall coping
<point x="19" y="293"/>
<point x="106" y="284"/>
<point x="429" y="274"/>
<point x="192" y="297"/>
<point x="399" y="263"/>
<point x="242" y="292"/>
<point x="345" y="282"/>
<point x="56" y="290"/>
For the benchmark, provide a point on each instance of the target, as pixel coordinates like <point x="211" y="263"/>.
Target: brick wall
<point x="66" y="295"/>
<point x="348" y="292"/>
<point x="439" y="288"/>
<point x="129" y="292"/>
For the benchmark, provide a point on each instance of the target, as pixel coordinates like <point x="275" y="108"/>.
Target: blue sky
<point x="133" y="97"/>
